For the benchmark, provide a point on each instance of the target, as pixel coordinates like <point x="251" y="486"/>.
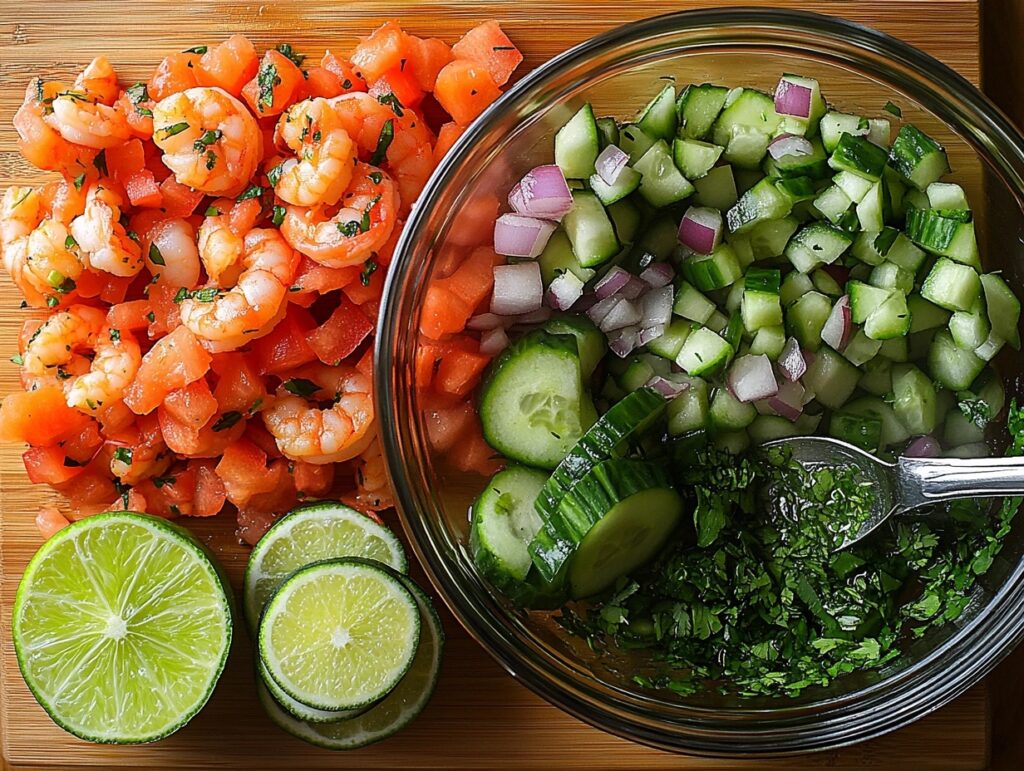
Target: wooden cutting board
<point x="480" y="716"/>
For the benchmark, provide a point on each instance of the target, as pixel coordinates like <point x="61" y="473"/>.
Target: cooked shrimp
<point x="39" y="142"/>
<point x="171" y="252"/>
<point x="233" y="317"/>
<point x="322" y="168"/>
<point x="84" y="114"/>
<point x="360" y="227"/>
<point x="61" y="336"/>
<point x="222" y="238"/>
<point x="304" y="431"/>
<point x="56" y="376"/>
<point x="101" y="236"/>
<point x="373" y="491"/>
<point x="210" y="140"/>
<point x="113" y="368"/>
<point x="98" y="81"/>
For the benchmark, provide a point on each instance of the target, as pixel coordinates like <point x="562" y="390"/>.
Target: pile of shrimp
<point x="203" y="275"/>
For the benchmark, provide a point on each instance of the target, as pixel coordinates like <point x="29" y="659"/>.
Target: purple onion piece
<point x="658" y="274"/>
<point x="701" y="229"/>
<point x="923" y="447"/>
<point x="493" y="341"/>
<point x="791" y="360"/>
<point x="792" y="99"/>
<point x="610" y="163"/>
<point x="519" y="236"/>
<point x="518" y="289"/>
<point x="564" y="290"/>
<point x="542" y="193"/>
<point x="611" y="282"/>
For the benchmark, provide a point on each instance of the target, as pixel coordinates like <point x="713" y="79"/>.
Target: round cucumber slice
<point x="339" y="634"/>
<point x="122" y="626"/>
<point x="395" y="711"/>
<point x="297" y="709"/>
<point x="319" y="531"/>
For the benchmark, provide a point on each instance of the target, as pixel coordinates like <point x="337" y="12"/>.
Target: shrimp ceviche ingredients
<point x="204" y="271"/>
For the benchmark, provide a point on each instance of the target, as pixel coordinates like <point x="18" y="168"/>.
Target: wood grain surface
<point x="480" y="716"/>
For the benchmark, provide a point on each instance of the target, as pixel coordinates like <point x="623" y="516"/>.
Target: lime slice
<point x="299" y="710"/>
<point x="398" y="708"/>
<point x="319" y="531"/>
<point x="122" y="626"/>
<point x="339" y="634"/>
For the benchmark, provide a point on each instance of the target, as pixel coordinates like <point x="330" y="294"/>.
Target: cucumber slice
<point x="728" y="413"/>
<point x="970" y="329"/>
<point x="945" y="233"/>
<point x="769" y="238"/>
<point x="698" y="108"/>
<point x="875" y="209"/>
<point x="915" y="400"/>
<point x="704" y="352"/>
<point x="628" y="181"/>
<point x="816" y="244"/>
<point x="132" y="675"/>
<point x="814" y="165"/>
<point x="533" y="408"/>
<point x="951" y="365"/>
<point x="865" y="300"/>
<point x="951" y="286"/>
<point x="590" y="231"/>
<point x="503" y="522"/>
<point x="719" y="269"/>
<point x="833" y="204"/>
<point x="825" y="284"/>
<point x="770" y="341"/>
<point x="319" y="531"/>
<point x="634" y="141"/>
<point x="688" y="412"/>
<point x="760" y="309"/>
<point x="577" y="145"/>
<point x="763" y="201"/>
<point x="658" y="118"/>
<point x="749" y="109"/>
<point x="858" y="156"/>
<point x="917" y="157"/>
<point x="691" y="304"/>
<point x="395" y="711"/>
<point x="861" y="349"/>
<point x="669" y="344"/>
<point x="695" y="158"/>
<point x="831" y="378"/>
<point x="1003" y="309"/>
<point x="634" y="509"/>
<point x="893" y="431"/>
<point x="590" y="341"/>
<point x="855" y="187"/>
<point x="834" y="124"/>
<point x="794" y="286"/>
<point x="661" y="184"/>
<point x="925" y="315"/>
<point x="891" y="319"/>
<point x="558" y="257"/>
<point x="717" y="188"/>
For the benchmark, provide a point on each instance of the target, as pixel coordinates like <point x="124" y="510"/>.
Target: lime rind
<point x="399" y="708"/>
<point x="339" y="634"/>
<point x="319" y="531"/>
<point x="297" y="709"/>
<point x="63" y="628"/>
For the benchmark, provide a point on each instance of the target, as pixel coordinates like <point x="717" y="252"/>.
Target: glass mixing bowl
<point x="860" y="70"/>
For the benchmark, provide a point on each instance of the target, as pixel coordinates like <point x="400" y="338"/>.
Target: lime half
<point x="398" y="708"/>
<point x="320" y="531"/>
<point x="339" y="634"/>
<point x="122" y="626"/>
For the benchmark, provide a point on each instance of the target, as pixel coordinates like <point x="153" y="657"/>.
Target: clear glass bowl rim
<point x="951" y="668"/>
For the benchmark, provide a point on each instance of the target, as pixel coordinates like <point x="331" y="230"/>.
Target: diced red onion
<point x="839" y="273"/>
<point x="564" y="290"/>
<point x="788" y="144"/>
<point x="585" y="303"/>
<point x="923" y="447"/>
<point x="519" y="236"/>
<point x="656" y="307"/>
<point x="518" y="289"/>
<point x="624" y="341"/>
<point x="611" y="283"/>
<point x="634" y="289"/>
<point x="610" y="163"/>
<point x="751" y="378"/>
<point x="623" y="314"/>
<point x="701" y="229"/>
<point x="788" y="402"/>
<point x="791" y="360"/>
<point x="792" y="99"/>
<point x="658" y="274"/>
<point x="649" y="334"/>
<point x="600" y="309"/>
<point x="486" y="321"/>
<point x="538" y="316"/>
<point x="493" y="341"/>
<point x="542" y="193"/>
<point x="809" y="357"/>
<point x="667" y="388"/>
<point x="839" y="324"/>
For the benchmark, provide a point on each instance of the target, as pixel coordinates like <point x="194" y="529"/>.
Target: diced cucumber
<point x="607" y="131"/>
<point x="794" y="286"/>
<point x="799" y="190"/>
<point x="638" y="372"/>
<point x="698" y="108"/>
<point x="717" y="188"/>
<point x="877" y="377"/>
<point x="559" y="257"/>
<point x="634" y="141"/>
<point x="861" y="349"/>
<point x="865" y="300"/>
<point x="533" y="408"/>
<point x="895" y="349"/>
<point x="760" y="309"/>
<point x="816" y="244"/>
<point x="695" y="158"/>
<point x="951" y="365"/>
<point x="875" y="209"/>
<point x="797" y="125"/>
<point x="855" y="187"/>
<point x="704" y="352"/>
<point x="590" y="231"/>
<point x="769" y="238"/>
<point x="747" y="178"/>
<point x="577" y="145"/>
<point x="662" y="184"/>
<point x="833" y="203"/>
<point x="945" y="233"/>
<point x="946" y="195"/>
<point x="917" y="157"/>
<point x="626" y="217"/>
<point x="813" y="165"/>
<point x="734" y="299"/>
<point x="750" y="113"/>
<point x="740" y="243"/>
<point x="970" y="328"/>
<point x="1003" y="308"/>
<point x="915" y="401"/>
<point x="858" y="156"/>
<point x="764" y="201"/>
<point x="904" y="253"/>
<point x="689" y="411"/>
<point x="628" y="182"/>
<point x="870" y="246"/>
<point x="834" y="124"/>
<point x="893" y="431"/>
<point x="831" y="378"/>
<point x="825" y="284"/>
<point x="806" y="317"/>
<point x="925" y="315"/>
<point x="732" y="442"/>
<point x="658" y="119"/>
<point x="657" y="242"/>
<point x="691" y="304"/>
<point x="960" y="429"/>
<point x="770" y="341"/>
<point x="891" y="318"/>
<point x="713" y="271"/>
<point x="951" y="286"/>
<point x="728" y="413"/>
<point x="747" y="147"/>
<point x="669" y="344"/>
<point x="765" y="428"/>
<point x="590" y="341"/>
<point x="860" y="431"/>
<point x="889" y="275"/>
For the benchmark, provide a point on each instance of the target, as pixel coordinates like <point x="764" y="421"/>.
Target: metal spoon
<point x="909" y="483"/>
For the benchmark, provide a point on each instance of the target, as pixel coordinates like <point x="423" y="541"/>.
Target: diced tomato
<point x="460" y="371"/>
<point x="472" y="453"/>
<point x="253" y="524"/>
<point x="143" y="190"/>
<point x="341" y="334"/>
<point x="313" y="479"/>
<point x="381" y="51"/>
<point x="137" y="114"/>
<point x="193" y="404"/>
<point x="427" y="57"/>
<point x="46" y="465"/>
<point x="487" y="45"/>
<point x="117" y="420"/>
<point x="169" y="495"/>
<point x="244" y="472"/>
<point x="125" y="160"/>
<point x="287" y="347"/>
<point x="473" y="280"/>
<point x="446" y="424"/>
<point x="244" y="215"/>
<point x="80" y="445"/>
<point x="94" y="485"/>
<point x="178" y="200"/>
<point x="348" y="80"/>
<point x="239" y="385"/>
<point x="155" y="162"/>
<point x="174" y="361"/>
<point x="49" y="520"/>
<point x="116" y="288"/>
<point x="209" y="496"/>
<point x="401" y="84"/>
<point x="317" y="278"/>
<point x="174" y="74"/>
<point x="447" y="136"/>
<point x="321" y="82"/>
<point x="465" y="89"/>
<point x="166" y="312"/>
<point x="276" y="85"/>
<point x="474" y="221"/>
<point x="369" y="286"/>
<point x="207" y="441"/>
<point x="38" y="417"/>
<point x="444" y="312"/>
<point x="128" y="316"/>
<point x="229" y="65"/>
<point x="257" y="433"/>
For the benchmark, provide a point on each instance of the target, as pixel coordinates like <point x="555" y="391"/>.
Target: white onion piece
<point x="600" y="309"/>
<point x="518" y="289"/>
<point x="701" y="229"/>
<point x="923" y="447"/>
<point x="634" y="288"/>
<point x="667" y="388"/>
<point x="656" y="307"/>
<point x="751" y="378"/>
<point x="519" y="236"/>
<point x="611" y="282"/>
<point x="542" y="193"/>
<point x="788" y="402"/>
<point x="650" y="334"/>
<point x="792" y="99"/>
<point x="610" y="163"/>
<point x="564" y="290"/>
<point x="839" y="325"/>
<point x="493" y="341"/>
<point x="486" y="321"/>
<point x="787" y="144"/>
<point x="538" y="316"/>
<point x="621" y="315"/>
<point x="791" y="360"/>
<point x="623" y="342"/>
<point x="658" y="274"/>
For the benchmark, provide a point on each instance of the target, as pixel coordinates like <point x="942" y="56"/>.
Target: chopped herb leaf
<point x="376" y="177"/>
<point x="159" y="482"/>
<point x="369" y="268"/>
<point x="285" y="49"/>
<point x="227" y="420"/>
<point x="387" y="135"/>
<point x="123" y="455"/>
<point x="18" y="359"/>
<point x="79" y="181"/>
<point x="212" y="211"/>
<point x="301" y="387"/>
<point x="196" y="50"/>
<point x="115" y="335"/>
<point x="100" y="162"/>
<point x="174" y="129"/>
<point x="70" y="242"/>
<point x="266" y="79"/>
<point x="253" y="191"/>
<point x="155" y="256"/>
<point x="208" y="138"/>
<point x="390" y="100"/>
<point x="277" y="217"/>
<point x="274" y="175"/>
<point x="349" y="229"/>
<point x="893" y="109"/>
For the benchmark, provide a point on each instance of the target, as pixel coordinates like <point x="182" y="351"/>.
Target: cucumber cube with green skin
<point x="861" y="349"/>
<point x="590" y="230"/>
<point x="717" y="188"/>
<point x="831" y="378"/>
<point x="806" y="317"/>
<point x="607" y="132"/>
<point x="764" y="201"/>
<point x="904" y="253"/>
<point x="875" y="209"/>
<point x="626" y="218"/>
<point x="750" y="110"/>
<point x="728" y="413"/>
<point x="770" y="341"/>
<point x="946" y="195"/>
<point x="719" y="269"/>
<point x="794" y="286"/>
<point x="814" y="165"/>
<point x="704" y="352"/>
<point x="760" y="309"/>
<point x="951" y="365"/>
<point x="559" y="257"/>
<point x="695" y="158"/>
<point x="629" y="180"/>
<point x="891" y="319"/>
<point x="658" y="119"/>
<point x="697" y="109"/>
<point x="825" y="284"/>
<point x="951" y="286"/>
<point x="577" y="145"/>
<point x="661" y="184"/>
<point x="893" y="431"/>
<point x="832" y="203"/>
<point x="888" y="275"/>
<point x="817" y="244"/>
<point x="689" y="411"/>
<point x="634" y="141"/>
<point x="855" y="187"/>
<point x="834" y="124"/>
<point x="691" y="304"/>
<point x="970" y="328"/>
<point x="925" y="315"/>
<point x="945" y="232"/>
<point x="917" y="157"/>
<point x="1003" y="309"/>
<point x="858" y="156"/>
<point x="870" y="246"/>
<point x="865" y="299"/>
<point x="769" y="238"/>
<point x="669" y="344"/>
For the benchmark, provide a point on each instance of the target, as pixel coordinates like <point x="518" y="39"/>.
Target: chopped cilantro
<point x="212" y="211"/>
<point x="277" y="217"/>
<point x="155" y="256"/>
<point x="266" y="79"/>
<point x="253" y="191"/>
<point x="79" y="181"/>
<point x="196" y="50"/>
<point x="300" y="386"/>
<point x="123" y="455"/>
<point x="174" y="129"/>
<point x="227" y="420"/>
<point x="18" y="359"/>
<point x="369" y="268"/>
<point x="893" y="109"/>
<point x="115" y="335"/>
<point x="390" y="100"/>
<point x="387" y="135"/>
<point x="285" y="49"/>
<point x="100" y="162"/>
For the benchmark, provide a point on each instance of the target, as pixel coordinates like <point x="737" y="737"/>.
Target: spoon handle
<point x="930" y="480"/>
